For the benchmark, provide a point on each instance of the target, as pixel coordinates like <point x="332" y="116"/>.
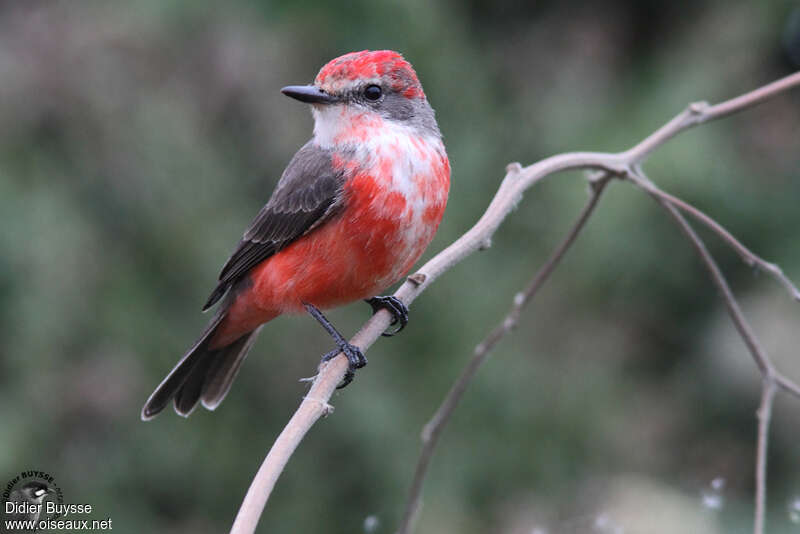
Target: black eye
<point x="372" y="93"/>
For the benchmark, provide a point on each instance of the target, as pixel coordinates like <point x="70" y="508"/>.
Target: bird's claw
<point x="394" y="306"/>
<point x="355" y="360"/>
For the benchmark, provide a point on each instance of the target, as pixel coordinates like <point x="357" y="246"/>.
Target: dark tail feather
<point x="188" y="393"/>
<point x="212" y="377"/>
<point x="224" y="370"/>
<point x="217" y="294"/>
<point x="201" y="372"/>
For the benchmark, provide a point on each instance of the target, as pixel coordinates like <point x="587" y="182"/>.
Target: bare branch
<point x="762" y="360"/>
<point x="764" y="415"/>
<point x="755" y="97"/>
<point x="516" y="181"/>
<point x="787" y="385"/>
<point x="695" y="114"/>
<point x="748" y="256"/>
<point x="434" y="427"/>
<point x="670" y="201"/>
<point x="700" y="112"/>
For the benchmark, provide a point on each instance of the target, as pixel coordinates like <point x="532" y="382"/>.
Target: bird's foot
<point x="355" y="360"/>
<point x="394" y="306"/>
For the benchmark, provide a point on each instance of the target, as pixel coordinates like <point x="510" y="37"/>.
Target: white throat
<point x="328" y="123"/>
<point x="339" y="124"/>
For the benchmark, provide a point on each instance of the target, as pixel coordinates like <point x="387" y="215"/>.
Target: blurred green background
<point x="138" y="139"/>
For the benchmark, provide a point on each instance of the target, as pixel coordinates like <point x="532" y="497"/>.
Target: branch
<point x="315" y="403"/>
<point x="695" y="114"/>
<point x="764" y="364"/>
<point x="700" y="112"/>
<point x="433" y="429"/>
<point x="516" y="181"/>
<point x="670" y="203"/>
<point x="764" y="415"/>
<point x="746" y="254"/>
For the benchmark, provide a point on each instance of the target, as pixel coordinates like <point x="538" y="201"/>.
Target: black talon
<point x="394" y="306"/>
<point x="355" y="358"/>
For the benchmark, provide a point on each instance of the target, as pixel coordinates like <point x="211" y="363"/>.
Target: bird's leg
<point x="355" y="358"/>
<point x="395" y="306"/>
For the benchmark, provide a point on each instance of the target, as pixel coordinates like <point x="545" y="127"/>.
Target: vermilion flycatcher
<point x="352" y="213"/>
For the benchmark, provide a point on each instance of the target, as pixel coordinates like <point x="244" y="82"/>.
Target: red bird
<point x="352" y="213"/>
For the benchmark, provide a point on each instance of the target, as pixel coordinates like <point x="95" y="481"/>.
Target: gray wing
<point x="308" y="193"/>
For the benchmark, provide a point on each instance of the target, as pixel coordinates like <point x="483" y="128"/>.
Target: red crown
<point x="371" y="64"/>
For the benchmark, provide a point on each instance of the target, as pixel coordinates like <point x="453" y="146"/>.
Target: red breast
<point x="393" y="209"/>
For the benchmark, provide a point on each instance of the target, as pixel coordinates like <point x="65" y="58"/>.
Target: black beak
<point x="310" y="94"/>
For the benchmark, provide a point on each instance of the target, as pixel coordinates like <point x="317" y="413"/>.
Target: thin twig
<point x="433" y="429"/>
<point x="764" y="415"/>
<point x="748" y="256"/>
<point x="735" y="312"/>
<point x="517" y="181"/>
<point x="640" y="180"/>
<point x="786" y="384"/>
<point x="757" y="352"/>
<point x="701" y="112"/>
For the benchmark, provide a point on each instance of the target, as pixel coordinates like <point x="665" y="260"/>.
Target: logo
<point x="33" y="502"/>
<point x="30" y="498"/>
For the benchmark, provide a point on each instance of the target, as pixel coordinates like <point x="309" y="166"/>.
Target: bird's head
<point x="363" y="90"/>
<point x="35" y="491"/>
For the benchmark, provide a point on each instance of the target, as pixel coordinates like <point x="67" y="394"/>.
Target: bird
<point x="29" y="498"/>
<point x="353" y="211"/>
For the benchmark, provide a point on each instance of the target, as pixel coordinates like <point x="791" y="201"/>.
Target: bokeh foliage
<point x="137" y="139"/>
